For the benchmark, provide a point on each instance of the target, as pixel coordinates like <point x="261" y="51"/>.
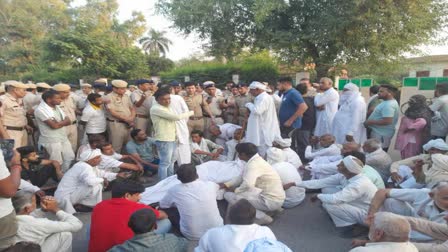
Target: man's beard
<point x="36" y="162"/>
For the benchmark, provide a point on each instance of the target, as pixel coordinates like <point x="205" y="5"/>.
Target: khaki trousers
<point x="72" y="134"/>
<point x="143" y="124"/>
<point x="20" y="137"/>
<point x="196" y="125"/>
<point x="118" y="135"/>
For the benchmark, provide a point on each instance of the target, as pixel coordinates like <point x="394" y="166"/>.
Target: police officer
<point x="230" y="112"/>
<point x="142" y="100"/>
<point x="196" y="103"/>
<point x="216" y="103"/>
<point x="68" y="106"/>
<point x="13" y="114"/>
<point x="241" y="100"/>
<point x="120" y="114"/>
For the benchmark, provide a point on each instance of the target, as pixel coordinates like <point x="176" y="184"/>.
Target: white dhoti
<point x="183" y="154"/>
<point x="345" y="214"/>
<point x="58" y="242"/>
<point x="61" y="152"/>
<point x="85" y="195"/>
<point x="294" y="196"/>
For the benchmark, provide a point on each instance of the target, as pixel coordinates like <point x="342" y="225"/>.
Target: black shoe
<point x="82" y="208"/>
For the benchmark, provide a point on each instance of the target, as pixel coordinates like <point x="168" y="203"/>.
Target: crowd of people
<point x="191" y="162"/>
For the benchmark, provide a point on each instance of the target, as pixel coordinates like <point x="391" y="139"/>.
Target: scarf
<point x="95" y="107"/>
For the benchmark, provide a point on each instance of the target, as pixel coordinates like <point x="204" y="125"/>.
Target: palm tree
<point x="155" y="43"/>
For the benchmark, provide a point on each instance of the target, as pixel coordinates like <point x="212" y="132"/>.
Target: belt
<point x="216" y="116"/>
<point x="196" y="118"/>
<point x="15" y="128"/>
<point x="74" y="122"/>
<point x="142" y="116"/>
<point x="119" y="121"/>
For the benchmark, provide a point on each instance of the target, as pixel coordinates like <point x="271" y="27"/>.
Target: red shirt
<point x="109" y="225"/>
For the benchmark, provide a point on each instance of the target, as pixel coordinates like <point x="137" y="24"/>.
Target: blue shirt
<point x="388" y="108"/>
<point x="144" y="150"/>
<point x="291" y="100"/>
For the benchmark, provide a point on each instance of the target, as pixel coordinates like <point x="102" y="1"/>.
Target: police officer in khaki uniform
<point x="196" y="103"/>
<point x="216" y="103"/>
<point x="120" y="114"/>
<point x="142" y="100"/>
<point x="241" y="100"/>
<point x="230" y="112"/>
<point x="68" y="106"/>
<point x="13" y="114"/>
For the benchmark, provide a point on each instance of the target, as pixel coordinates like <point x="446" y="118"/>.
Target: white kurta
<point x="232" y="238"/>
<point x="263" y="125"/>
<point x="292" y="157"/>
<point x="288" y="173"/>
<point x="183" y="152"/>
<point x="349" y="121"/>
<point x="348" y="206"/>
<point x="331" y="150"/>
<point x="324" y="118"/>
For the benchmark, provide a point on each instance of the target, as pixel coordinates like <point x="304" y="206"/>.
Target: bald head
<point x="350" y="147"/>
<point x="371" y="145"/>
<point x="326" y="140"/>
<point x="389" y="227"/>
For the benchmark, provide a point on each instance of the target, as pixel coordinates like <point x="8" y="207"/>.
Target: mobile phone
<point x="7" y="146"/>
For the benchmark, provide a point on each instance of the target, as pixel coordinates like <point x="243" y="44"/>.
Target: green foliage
<point x="259" y="67"/>
<point x="155" y="43"/>
<point x="158" y="65"/>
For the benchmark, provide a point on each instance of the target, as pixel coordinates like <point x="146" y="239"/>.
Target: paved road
<point x="306" y="228"/>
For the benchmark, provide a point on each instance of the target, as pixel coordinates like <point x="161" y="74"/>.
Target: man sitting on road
<point x="204" y="150"/>
<point x="291" y="156"/>
<point x="327" y="147"/>
<point x="377" y="158"/>
<point x="114" y="162"/>
<point x="142" y="148"/>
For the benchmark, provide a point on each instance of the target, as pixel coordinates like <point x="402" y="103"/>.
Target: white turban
<point x="437" y="144"/>
<point x="352" y="87"/>
<point x="275" y="155"/>
<point x="257" y="85"/>
<point x="285" y="142"/>
<point x="351" y="164"/>
<point x="89" y="154"/>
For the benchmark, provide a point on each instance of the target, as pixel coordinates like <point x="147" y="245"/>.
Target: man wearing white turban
<point x="349" y="205"/>
<point x="81" y="187"/>
<point x="348" y="122"/>
<point x="262" y="126"/>
<point x="412" y="172"/>
<point x="288" y="173"/>
<point x="326" y="104"/>
<point x="290" y="156"/>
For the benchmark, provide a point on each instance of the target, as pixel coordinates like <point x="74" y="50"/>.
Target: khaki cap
<point x="61" y="87"/>
<point x="86" y="85"/>
<point x="31" y="85"/>
<point x="101" y="81"/>
<point x="2" y="89"/>
<point x="119" y="83"/>
<point x="17" y="84"/>
<point x="9" y="82"/>
<point x="43" y="85"/>
<point x="132" y="86"/>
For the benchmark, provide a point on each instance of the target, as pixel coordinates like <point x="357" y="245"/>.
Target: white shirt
<point x="292" y="157"/>
<point x="227" y="131"/>
<point x="36" y="230"/>
<point x="5" y="203"/>
<point x="332" y="150"/>
<point x="262" y="126"/>
<point x="198" y="209"/>
<point x="349" y="120"/>
<point x="95" y="118"/>
<point x="288" y="173"/>
<point x="179" y="106"/>
<point x="108" y="162"/>
<point x="324" y="118"/>
<point x="81" y="175"/>
<point x="324" y="166"/>
<point x="357" y="191"/>
<point x="232" y="238"/>
<point x="386" y="247"/>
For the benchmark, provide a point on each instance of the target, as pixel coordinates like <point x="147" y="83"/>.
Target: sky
<point x="185" y="46"/>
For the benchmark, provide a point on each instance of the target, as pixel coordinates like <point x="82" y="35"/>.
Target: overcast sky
<point x="184" y="47"/>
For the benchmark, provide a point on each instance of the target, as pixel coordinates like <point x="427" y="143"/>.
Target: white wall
<point x="435" y="69"/>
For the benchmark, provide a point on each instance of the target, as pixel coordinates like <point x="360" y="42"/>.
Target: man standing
<point x="348" y="121"/>
<point x="374" y="100"/>
<point x="216" y="104"/>
<point x="164" y="121"/>
<point x="310" y="90"/>
<point x="68" y="106"/>
<point x="262" y="125"/>
<point x="308" y="122"/>
<point x="142" y="100"/>
<point x="13" y="114"/>
<point x="439" y="123"/>
<point x="230" y="113"/>
<point x="31" y="99"/>
<point x="383" y="119"/>
<point x="327" y="105"/>
<point x="198" y="104"/>
<point x="182" y="152"/>
<point x="93" y="117"/>
<point x="291" y="108"/>
<point x="121" y="115"/>
<point x="86" y="89"/>
<point x="51" y="121"/>
<point x="240" y="101"/>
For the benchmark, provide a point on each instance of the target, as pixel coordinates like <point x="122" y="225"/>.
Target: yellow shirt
<point x="164" y="122"/>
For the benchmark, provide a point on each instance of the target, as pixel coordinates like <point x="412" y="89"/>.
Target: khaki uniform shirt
<point x="231" y="102"/>
<point x="146" y="105"/>
<point x="196" y="103"/>
<point x="241" y="101"/>
<point x="120" y="105"/>
<point x="69" y="107"/>
<point x="12" y="111"/>
<point x="213" y="103"/>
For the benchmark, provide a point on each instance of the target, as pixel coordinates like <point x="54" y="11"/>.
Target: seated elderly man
<point x="291" y="156"/>
<point x="325" y="166"/>
<point x="52" y="236"/>
<point x="404" y="172"/>
<point x="328" y="147"/>
<point x="238" y="137"/>
<point x="236" y="235"/>
<point x="259" y="184"/>
<point x="81" y="187"/>
<point x="421" y="203"/>
<point x="289" y="175"/>
<point x="223" y="133"/>
<point x="388" y="233"/>
<point x="367" y="170"/>
<point x="377" y="158"/>
<point x="348" y="206"/>
<point x="204" y="150"/>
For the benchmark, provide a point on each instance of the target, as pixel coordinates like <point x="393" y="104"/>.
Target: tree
<point x="155" y="43"/>
<point x="159" y="64"/>
<point x="327" y="32"/>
